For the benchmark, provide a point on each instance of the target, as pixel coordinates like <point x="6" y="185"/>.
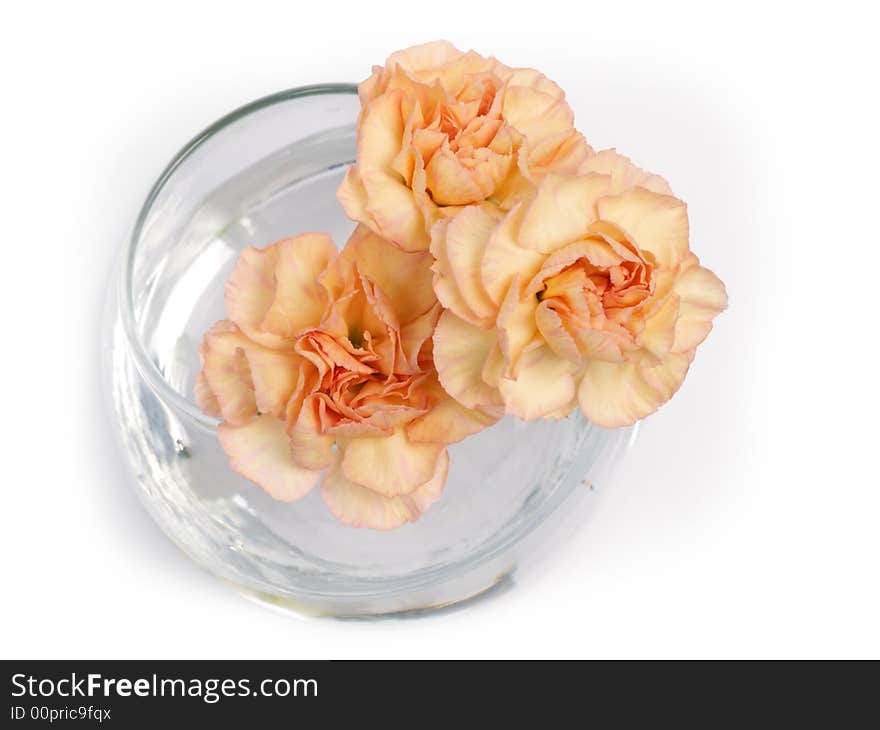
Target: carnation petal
<point x="700" y="287"/>
<point x="544" y="385"/>
<point x="516" y="325"/>
<point x="404" y="278"/>
<point x="667" y="377"/>
<point x="703" y="296"/>
<point x="465" y="240"/>
<point x="504" y="259"/>
<point x="260" y="452"/>
<point x="275" y="375"/>
<point x="415" y="340"/>
<point x="250" y="291"/>
<point x="227" y="374"/>
<point x="533" y="79"/>
<point x="460" y="352"/>
<point x="448" y="421"/>
<point x="566" y="158"/>
<point x="390" y="465"/>
<point x="393" y="209"/>
<point x="307" y="383"/>
<point x="380" y="131"/>
<point x="425" y="55"/>
<point x="559" y="340"/>
<point x="659" y="332"/>
<point x="311" y="448"/>
<point x="299" y="301"/>
<point x="358" y="506"/>
<point x="597" y="251"/>
<point x="449" y="182"/>
<point x="613" y="395"/>
<point x="390" y="206"/>
<point x="562" y="211"/>
<point x="623" y="173"/>
<point x="494" y="367"/>
<point x="545" y="120"/>
<point x="205" y="397"/>
<point x="598" y="344"/>
<point x="654" y="222"/>
<point x="445" y="286"/>
<point x="352" y="196"/>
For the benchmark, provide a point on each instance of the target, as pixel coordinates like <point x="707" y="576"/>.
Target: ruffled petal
<point x="449" y="182"/>
<point x="545" y="120"/>
<point x="544" y="386"/>
<point x="445" y="285"/>
<point x="447" y="421"/>
<point x="667" y="377"/>
<point x="205" y="397"/>
<point x="375" y="194"/>
<point x="227" y="374"/>
<point x="300" y="301"/>
<point x="390" y="205"/>
<point x="380" y="131"/>
<point x="494" y="367"/>
<point x="394" y="212"/>
<point x="517" y="328"/>
<point x="654" y="222"/>
<point x="250" y="291"/>
<point x="533" y="79"/>
<point x="460" y="353"/>
<point x="465" y="241"/>
<point x="358" y="506"/>
<point x="260" y="452"/>
<point x="352" y="196"/>
<point x="307" y="383"/>
<point x="562" y="211"/>
<point x="613" y="395"/>
<point x="703" y="297"/>
<point x="424" y="56"/>
<point x="659" y="332"/>
<point x="565" y="158"/>
<point x="309" y="446"/>
<point x="504" y="259"/>
<point x="390" y="465"/>
<point x="404" y="278"/>
<point x="275" y="375"/>
<point x="597" y="344"/>
<point x="415" y="342"/>
<point x="536" y="114"/>
<point x="553" y="331"/>
<point x="623" y="173"/>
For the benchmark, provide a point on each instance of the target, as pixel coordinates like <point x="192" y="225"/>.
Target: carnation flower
<point x="586" y="293"/>
<point x="499" y="266"/>
<point x="325" y="363"/>
<point x="441" y="129"/>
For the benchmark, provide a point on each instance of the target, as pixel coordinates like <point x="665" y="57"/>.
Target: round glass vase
<point x="263" y="172"/>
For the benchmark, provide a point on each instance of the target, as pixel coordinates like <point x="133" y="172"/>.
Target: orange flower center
<point x="465" y="121"/>
<point x="351" y="390"/>
<point x="589" y="295"/>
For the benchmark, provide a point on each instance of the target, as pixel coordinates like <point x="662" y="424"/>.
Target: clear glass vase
<point x="266" y="171"/>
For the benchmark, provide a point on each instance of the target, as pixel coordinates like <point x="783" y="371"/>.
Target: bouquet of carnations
<point x="499" y="266"/>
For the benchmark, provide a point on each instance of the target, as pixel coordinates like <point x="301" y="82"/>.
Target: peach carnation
<point x="441" y="129"/>
<point x="587" y="293"/>
<point x="325" y="363"/>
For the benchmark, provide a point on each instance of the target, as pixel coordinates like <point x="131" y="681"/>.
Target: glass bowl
<point x="266" y="171"/>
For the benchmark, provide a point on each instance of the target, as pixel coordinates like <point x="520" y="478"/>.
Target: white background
<point x="744" y="523"/>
